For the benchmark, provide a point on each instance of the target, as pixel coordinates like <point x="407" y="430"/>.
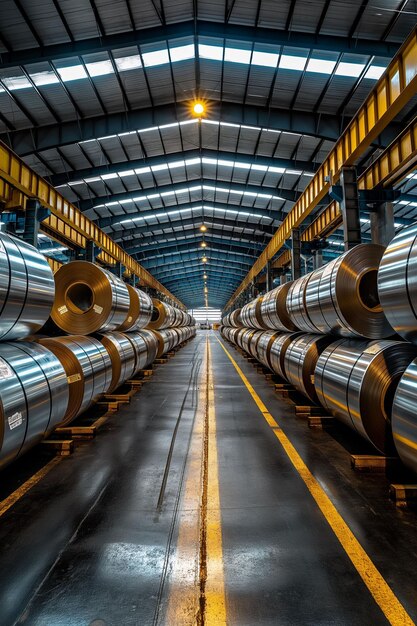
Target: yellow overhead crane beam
<point x="66" y="223"/>
<point x="391" y="93"/>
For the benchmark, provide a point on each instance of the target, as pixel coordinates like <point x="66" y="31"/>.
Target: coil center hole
<point x="79" y="297"/>
<point x="368" y="289"/>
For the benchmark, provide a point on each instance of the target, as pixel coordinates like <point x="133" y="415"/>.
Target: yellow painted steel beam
<point x="54" y="264"/>
<point x="67" y="223"/>
<point x="391" y="93"/>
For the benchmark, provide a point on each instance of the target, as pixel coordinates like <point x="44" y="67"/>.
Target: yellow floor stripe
<point x="23" y="489"/>
<point x="215" y="613"/>
<point x="377" y="585"/>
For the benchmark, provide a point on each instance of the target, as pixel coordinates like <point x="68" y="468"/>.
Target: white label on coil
<point x="15" y="420"/>
<point x="98" y="309"/>
<point x="374" y="349"/>
<point x="129" y="319"/>
<point x="5" y="369"/>
<point x="74" y="378"/>
<point x="2" y="248"/>
<point x="62" y="309"/>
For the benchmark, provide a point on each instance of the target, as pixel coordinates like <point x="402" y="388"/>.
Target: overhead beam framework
<point x="323" y="125"/>
<point x="113" y="168"/>
<point x="238" y="33"/>
<point x="392" y="92"/>
<point x="256" y="241"/>
<point x="138" y="247"/>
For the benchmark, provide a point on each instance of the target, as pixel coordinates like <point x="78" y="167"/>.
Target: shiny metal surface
<point x="404" y="417"/>
<point x="163" y="315"/>
<point x="140" y="310"/>
<point x="356" y="381"/>
<point x="33" y="395"/>
<point x="233" y="319"/>
<point x="300" y="362"/>
<point x="250" y="314"/>
<point x="263" y="348"/>
<point x="26" y="289"/>
<point x="397" y="283"/>
<point x="274" y="311"/>
<point x="296" y="305"/>
<point x="145" y="345"/>
<point x="278" y="350"/>
<point x="122" y="355"/>
<point x="342" y="297"/>
<point x="89" y="299"/>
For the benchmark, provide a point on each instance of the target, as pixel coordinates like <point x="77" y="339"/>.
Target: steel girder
<point x="145" y="244"/>
<point x="221" y="248"/>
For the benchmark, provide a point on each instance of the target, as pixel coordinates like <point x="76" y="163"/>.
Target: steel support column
<point x="350" y="207"/>
<point x="382" y="223"/>
<point x="295" y="254"/>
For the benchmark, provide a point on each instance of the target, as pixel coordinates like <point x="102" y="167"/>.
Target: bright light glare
<point x="198" y="108"/>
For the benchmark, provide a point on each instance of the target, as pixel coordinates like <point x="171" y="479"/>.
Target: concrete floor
<point x="128" y="532"/>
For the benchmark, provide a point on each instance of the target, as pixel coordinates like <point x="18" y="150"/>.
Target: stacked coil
<point x="356" y="381"/>
<point x="300" y="361"/>
<point x="250" y="314"/>
<point x="89" y="299"/>
<point x="27" y="289"/>
<point x="33" y="397"/>
<point x="278" y="351"/>
<point x="233" y="319"/>
<point x="163" y="315"/>
<point x="404" y="417"/>
<point x="122" y="356"/>
<point x="140" y="310"/>
<point x="273" y="309"/>
<point x="341" y="298"/>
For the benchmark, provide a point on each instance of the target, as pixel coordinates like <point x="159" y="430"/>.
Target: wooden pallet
<point x="160" y="361"/>
<point x="77" y="432"/>
<point x="61" y="447"/>
<point x="372" y="462"/>
<point x="403" y="495"/>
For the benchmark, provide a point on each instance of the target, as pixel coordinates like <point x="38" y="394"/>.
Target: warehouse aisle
<point x="187" y="510"/>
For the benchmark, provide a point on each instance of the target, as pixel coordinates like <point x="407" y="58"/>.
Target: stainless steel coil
<point x="300" y="362"/>
<point x="253" y="345"/>
<point x="264" y="345"/>
<point x="250" y="314"/>
<point x="163" y="315"/>
<point x="122" y="355"/>
<point x="89" y="299"/>
<point x="342" y="297"/>
<point x="27" y="289"/>
<point x="356" y="381"/>
<point x="140" y="310"/>
<point x="404" y="417"/>
<point x="33" y="397"/>
<point x="145" y="345"/>
<point x="397" y="283"/>
<point x="296" y="305"/>
<point x="233" y="319"/>
<point x="273" y="310"/>
<point x="278" y="350"/>
<point x="88" y="369"/>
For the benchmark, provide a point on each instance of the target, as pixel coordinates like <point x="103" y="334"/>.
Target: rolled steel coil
<point x="27" y="289"/>
<point x="300" y="362"/>
<point x="278" y="351"/>
<point x="88" y="369"/>
<point x="356" y="381"/>
<point x="166" y="341"/>
<point x="122" y="355"/>
<point x="233" y="319"/>
<point x="264" y="345"/>
<point x="404" y="417"/>
<point x="145" y="345"/>
<point x="89" y="299"/>
<point x="251" y="314"/>
<point x="140" y="310"/>
<point x="274" y="311"/>
<point x="248" y="340"/>
<point x="163" y="315"/>
<point x="296" y="305"/>
<point x="33" y="397"/>
<point x="397" y="284"/>
<point x="341" y="298"/>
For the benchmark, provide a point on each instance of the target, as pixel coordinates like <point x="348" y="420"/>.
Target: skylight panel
<point x="44" y="78"/>
<point x="127" y="173"/>
<point x="101" y="68"/>
<point x="319" y="66"/>
<point x="160" y="167"/>
<point x="16" y="82"/>
<point x="353" y="70"/>
<point x="131" y="62"/>
<point x="215" y="53"/>
<point x="265" y="59"/>
<point x="375" y="72"/>
<point x="75" y="72"/>
<point x="143" y="170"/>
<point x="290" y="62"/>
<point x="159" y="57"/>
<point x="109" y="176"/>
<point x="182" y="53"/>
<point x="237" y="55"/>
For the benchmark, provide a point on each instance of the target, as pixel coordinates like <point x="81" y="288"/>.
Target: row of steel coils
<point x="348" y="357"/>
<point x="48" y="382"/>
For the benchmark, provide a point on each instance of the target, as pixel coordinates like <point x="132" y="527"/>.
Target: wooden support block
<point x="403" y="495"/>
<point x="62" y="447"/>
<point x="77" y="432"/>
<point x="372" y="462"/>
<point x="147" y="373"/>
<point x="121" y="398"/>
<point x="319" y="421"/>
<point x="136" y="384"/>
<point x="160" y="361"/>
<point x="110" y="407"/>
